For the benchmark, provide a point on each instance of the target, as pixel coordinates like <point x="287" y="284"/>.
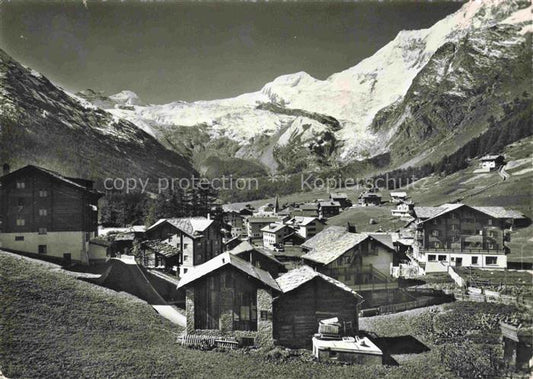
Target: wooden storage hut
<point x="308" y="297"/>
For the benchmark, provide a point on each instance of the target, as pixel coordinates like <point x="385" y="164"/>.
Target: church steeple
<point x="276" y="204"/>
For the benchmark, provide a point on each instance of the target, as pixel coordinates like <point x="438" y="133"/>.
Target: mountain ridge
<point x="348" y="104"/>
<point x="43" y="125"/>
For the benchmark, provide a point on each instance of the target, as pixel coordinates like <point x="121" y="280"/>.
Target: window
<point x="20" y="201"/>
<point x="42" y="249"/>
<point x="43" y="231"/>
<point x="43" y="193"/>
<point x="436" y="245"/>
<point x="435" y="233"/>
<point x="265" y="316"/>
<point x="43" y="212"/>
<point x="431" y="257"/>
<point x="245" y="310"/>
<point x="21" y="185"/>
<point x="19" y="238"/>
<point x="490" y="221"/>
<point x="185" y="270"/>
<point x="492" y="234"/>
<point x="21" y="222"/>
<point x="475" y="260"/>
<point x="491" y="260"/>
<point x="442" y="258"/>
<point x="185" y="257"/>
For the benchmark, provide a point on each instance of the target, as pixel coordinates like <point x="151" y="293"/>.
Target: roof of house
<point x="370" y="194"/>
<point x="338" y="195"/>
<point x="429" y="213"/>
<point x="500" y="212"/>
<point x="274" y="228"/>
<point x="262" y="220"/>
<point x="398" y="194"/>
<point x="385" y="239"/>
<point x="303" y="220"/>
<point x="74" y="182"/>
<point x="327" y="234"/>
<point x="246" y="247"/>
<point x="490" y="157"/>
<point x="161" y="247"/>
<point x="192" y="226"/>
<point x="227" y="259"/>
<point x="329" y="249"/>
<point x="329" y="204"/>
<point x="334" y="241"/>
<point x="299" y="276"/>
<point x="309" y="206"/>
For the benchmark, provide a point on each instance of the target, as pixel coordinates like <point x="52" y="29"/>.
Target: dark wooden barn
<point x="308" y="297"/>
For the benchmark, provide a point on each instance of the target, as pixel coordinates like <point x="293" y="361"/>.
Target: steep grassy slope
<point x="54" y="326"/>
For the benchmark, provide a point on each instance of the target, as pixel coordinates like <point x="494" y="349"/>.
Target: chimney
<point x="5" y="169"/>
<point x="350" y="228"/>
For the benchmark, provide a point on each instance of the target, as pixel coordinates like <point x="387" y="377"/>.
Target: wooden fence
<point x="207" y="341"/>
<point x="419" y="303"/>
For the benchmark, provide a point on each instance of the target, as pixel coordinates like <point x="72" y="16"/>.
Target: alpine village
<point x="424" y="271"/>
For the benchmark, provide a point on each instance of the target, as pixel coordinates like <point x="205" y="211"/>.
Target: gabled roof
<point x="398" y="194"/>
<point x="74" y="182"/>
<point x="247" y="247"/>
<point x="500" y="212"/>
<point x="259" y="219"/>
<point x="193" y="226"/>
<point x="326" y="235"/>
<point x="303" y="220"/>
<point x="329" y="204"/>
<point x="338" y="195"/>
<point x="369" y="194"/>
<point x="334" y="241"/>
<point x="162" y="248"/>
<point x="426" y="212"/>
<point x="223" y="260"/>
<point x="299" y="276"/>
<point x="309" y="206"/>
<point x="329" y="249"/>
<point x="429" y="213"/>
<point x="274" y="228"/>
<point x="386" y="239"/>
<point x="491" y="157"/>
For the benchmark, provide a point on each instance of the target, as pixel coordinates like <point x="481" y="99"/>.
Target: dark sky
<point x="193" y="51"/>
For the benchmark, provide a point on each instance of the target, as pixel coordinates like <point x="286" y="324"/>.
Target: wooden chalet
<point x="462" y="235"/>
<point x="198" y="238"/>
<point x="329" y="209"/>
<point x="369" y="198"/>
<point x="47" y="214"/>
<point x="356" y="259"/>
<point x="306" y="210"/>
<point x="341" y="198"/>
<point x="308" y="297"/>
<point x="229" y="297"/>
<point x="161" y="255"/>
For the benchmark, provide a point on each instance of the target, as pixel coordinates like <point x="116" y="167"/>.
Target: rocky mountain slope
<point x="416" y="84"/>
<point x="43" y="125"/>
